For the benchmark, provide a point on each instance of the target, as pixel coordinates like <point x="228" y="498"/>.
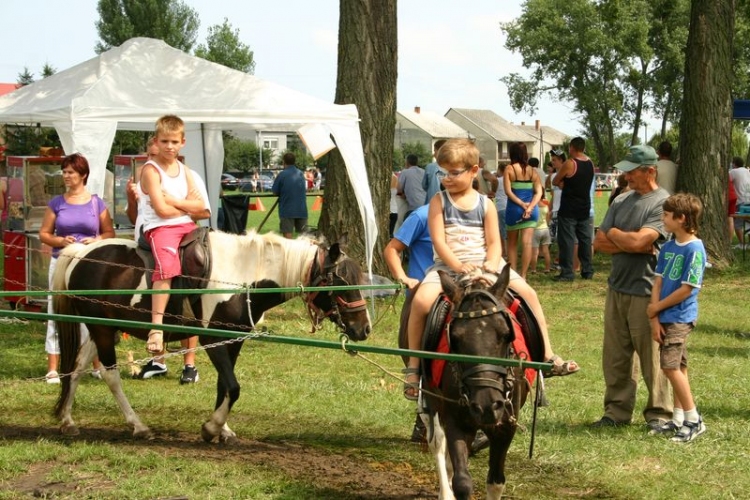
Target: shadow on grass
<point x="707" y="328"/>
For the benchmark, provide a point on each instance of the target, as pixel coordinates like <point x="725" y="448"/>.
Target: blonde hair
<point x="170" y="124"/>
<point x="458" y="152"/>
<point x="150" y="142"/>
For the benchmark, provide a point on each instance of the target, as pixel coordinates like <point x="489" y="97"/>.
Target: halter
<point x="469" y="378"/>
<point x="328" y="271"/>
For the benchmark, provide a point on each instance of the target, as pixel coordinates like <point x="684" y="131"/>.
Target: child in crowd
<point x="464" y="229"/>
<point x="542" y="240"/>
<point x="674" y="309"/>
<point x="169" y="195"/>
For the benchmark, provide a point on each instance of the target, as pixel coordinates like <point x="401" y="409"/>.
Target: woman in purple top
<point x="74" y="217"/>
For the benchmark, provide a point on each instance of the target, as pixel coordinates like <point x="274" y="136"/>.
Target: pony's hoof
<point x="69" y="430"/>
<point x="144" y="433"/>
<point x="229" y="440"/>
<point x="206" y="433"/>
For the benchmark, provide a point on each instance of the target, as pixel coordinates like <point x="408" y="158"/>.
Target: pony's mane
<point x="295" y="256"/>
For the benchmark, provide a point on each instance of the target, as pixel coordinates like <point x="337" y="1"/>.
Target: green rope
<point x="308" y="342"/>
<point x="191" y="291"/>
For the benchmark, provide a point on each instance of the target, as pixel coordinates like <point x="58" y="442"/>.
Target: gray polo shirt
<point x="633" y="273"/>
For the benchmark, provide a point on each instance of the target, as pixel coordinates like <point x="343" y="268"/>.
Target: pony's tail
<point x="69" y="334"/>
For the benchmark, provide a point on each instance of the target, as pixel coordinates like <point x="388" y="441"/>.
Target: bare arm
<point x="193" y="204"/>
<point x="656" y="306"/>
<point x="392" y="254"/>
<point x="151" y="185"/>
<point x="641" y="241"/>
<point x="603" y="244"/>
<point x="508" y="191"/>
<point x="657" y="331"/>
<point x="537" y="183"/>
<point x="565" y="171"/>
<point x="492" y="239"/>
<point x="132" y="208"/>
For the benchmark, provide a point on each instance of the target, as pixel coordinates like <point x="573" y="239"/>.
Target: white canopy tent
<point x="130" y="86"/>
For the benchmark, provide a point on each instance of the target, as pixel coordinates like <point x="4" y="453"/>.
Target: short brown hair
<point x="79" y="163"/>
<point x="170" y="124"/>
<point x="458" y="151"/>
<point x="688" y="205"/>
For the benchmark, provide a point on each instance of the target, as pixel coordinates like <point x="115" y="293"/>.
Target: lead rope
<point x="249" y="302"/>
<point x="345" y="340"/>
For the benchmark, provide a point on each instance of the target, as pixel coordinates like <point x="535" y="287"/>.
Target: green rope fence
<point x="308" y="342"/>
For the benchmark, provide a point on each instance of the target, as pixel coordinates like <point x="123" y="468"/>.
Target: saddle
<point x="435" y="339"/>
<point x="195" y="259"/>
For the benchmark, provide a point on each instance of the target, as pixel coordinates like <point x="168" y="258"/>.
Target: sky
<point x="451" y="55"/>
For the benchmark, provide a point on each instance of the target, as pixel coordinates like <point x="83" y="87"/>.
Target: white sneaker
<point x="53" y="377"/>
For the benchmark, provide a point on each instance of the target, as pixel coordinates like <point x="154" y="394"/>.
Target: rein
<point x="469" y="378"/>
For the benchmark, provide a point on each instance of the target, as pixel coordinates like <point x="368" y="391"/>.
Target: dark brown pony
<point x="258" y="261"/>
<point x="473" y="396"/>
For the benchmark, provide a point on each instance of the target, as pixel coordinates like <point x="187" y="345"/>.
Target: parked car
<point x="605" y="181"/>
<point x="229" y="182"/>
<point x="266" y="181"/>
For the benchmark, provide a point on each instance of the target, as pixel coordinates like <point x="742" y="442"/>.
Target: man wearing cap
<point x="574" y="218"/>
<point x="632" y="232"/>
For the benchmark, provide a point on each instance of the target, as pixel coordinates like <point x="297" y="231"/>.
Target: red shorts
<point x="164" y="241"/>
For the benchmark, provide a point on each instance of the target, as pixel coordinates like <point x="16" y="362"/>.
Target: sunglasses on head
<point x="556" y="152"/>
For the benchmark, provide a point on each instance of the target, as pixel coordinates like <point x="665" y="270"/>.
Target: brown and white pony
<point x="257" y="261"/>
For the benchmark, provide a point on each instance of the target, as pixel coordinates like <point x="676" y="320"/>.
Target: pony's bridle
<point x="326" y="275"/>
<point x="474" y="377"/>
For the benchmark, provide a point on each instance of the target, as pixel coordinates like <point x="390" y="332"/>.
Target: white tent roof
<point x="130" y="86"/>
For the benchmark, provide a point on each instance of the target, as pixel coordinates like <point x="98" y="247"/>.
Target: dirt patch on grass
<point x="348" y="477"/>
<point x="34" y="484"/>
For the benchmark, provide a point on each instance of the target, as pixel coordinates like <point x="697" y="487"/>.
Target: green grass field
<point x="321" y="424"/>
<point x="255" y="218"/>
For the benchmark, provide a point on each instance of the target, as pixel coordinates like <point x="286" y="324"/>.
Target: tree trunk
<point x="706" y="122"/>
<point x="367" y="71"/>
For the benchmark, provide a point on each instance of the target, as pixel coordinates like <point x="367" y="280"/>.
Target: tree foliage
<point x="170" y="20"/>
<point x="223" y="46"/>
<point x="26" y="77"/>
<point x="424" y="155"/>
<point x="599" y="55"/>
<point x="243" y="155"/>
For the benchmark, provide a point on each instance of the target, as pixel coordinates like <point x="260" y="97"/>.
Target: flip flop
<point x="155" y="344"/>
<point x="562" y="368"/>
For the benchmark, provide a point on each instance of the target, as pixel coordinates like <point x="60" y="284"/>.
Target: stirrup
<point x="155" y="345"/>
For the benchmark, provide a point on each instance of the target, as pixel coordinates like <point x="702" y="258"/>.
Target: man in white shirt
<point x="666" y="169"/>
<point x="741" y="179"/>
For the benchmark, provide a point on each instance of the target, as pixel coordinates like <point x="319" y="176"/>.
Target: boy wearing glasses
<point x="463" y="227"/>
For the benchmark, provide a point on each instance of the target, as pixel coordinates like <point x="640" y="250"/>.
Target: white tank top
<point x="174" y="186"/>
<point x="464" y="229"/>
<point x="394" y="201"/>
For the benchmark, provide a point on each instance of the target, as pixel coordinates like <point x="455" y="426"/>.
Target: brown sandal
<point x="155" y="344"/>
<point x="411" y="389"/>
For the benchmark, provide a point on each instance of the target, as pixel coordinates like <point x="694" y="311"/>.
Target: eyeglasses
<point x="556" y="152"/>
<point x="442" y="174"/>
